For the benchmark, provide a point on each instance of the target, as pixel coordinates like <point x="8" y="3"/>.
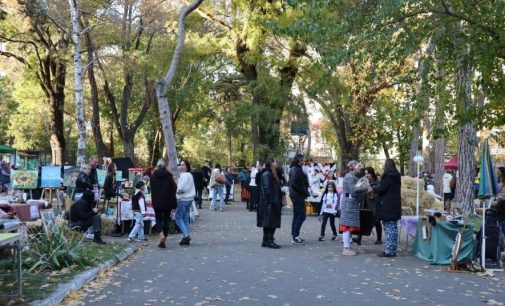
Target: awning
<point x="452" y="164"/>
<point x="7" y="149"/>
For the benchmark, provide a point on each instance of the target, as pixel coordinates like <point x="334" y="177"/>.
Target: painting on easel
<point x="50" y="177"/>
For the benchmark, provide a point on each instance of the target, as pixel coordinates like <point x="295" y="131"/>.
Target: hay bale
<point x="411" y="182"/>
<point x="108" y="226"/>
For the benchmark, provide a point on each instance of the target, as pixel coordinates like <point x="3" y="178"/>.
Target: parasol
<point x="488" y="187"/>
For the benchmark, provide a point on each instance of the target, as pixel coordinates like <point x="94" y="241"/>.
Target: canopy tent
<point x="6" y="149"/>
<point x="452" y="164"/>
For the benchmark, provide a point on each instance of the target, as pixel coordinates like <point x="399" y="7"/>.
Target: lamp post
<point x="418" y="159"/>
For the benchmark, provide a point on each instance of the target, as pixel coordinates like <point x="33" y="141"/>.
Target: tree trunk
<point x="161" y="89"/>
<point x="129" y="145"/>
<point x="385" y="149"/>
<point x="79" y="97"/>
<point x="57" y="138"/>
<point x="101" y="148"/>
<point x="155" y="152"/>
<point x="439" y="160"/>
<point x="230" y="156"/>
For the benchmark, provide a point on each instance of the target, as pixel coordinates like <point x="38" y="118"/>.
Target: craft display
<point x="24" y="179"/>
<point x="50" y="177"/>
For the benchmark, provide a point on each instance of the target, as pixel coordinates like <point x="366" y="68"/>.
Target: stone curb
<point x="81" y="279"/>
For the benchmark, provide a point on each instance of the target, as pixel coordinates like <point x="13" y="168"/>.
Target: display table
<point x="437" y="247"/>
<point x="11" y="241"/>
<point x="25" y="212"/>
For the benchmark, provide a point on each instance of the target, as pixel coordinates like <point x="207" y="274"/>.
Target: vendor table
<point x="437" y="247"/>
<point x="25" y="212"/>
<point x="11" y="241"/>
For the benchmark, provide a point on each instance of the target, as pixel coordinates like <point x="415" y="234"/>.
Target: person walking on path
<point x="185" y="195"/>
<point x="329" y="209"/>
<point x="298" y="192"/>
<point x="163" y="189"/>
<point x="229" y="182"/>
<point x="199" y="185"/>
<point x="206" y="177"/>
<point x="389" y="207"/>
<point x="253" y="189"/>
<point x="349" y="210"/>
<point x="216" y="187"/>
<point x="139" y="212"/>
<point x="244" y="179"/>
<point x="270" y="204"/>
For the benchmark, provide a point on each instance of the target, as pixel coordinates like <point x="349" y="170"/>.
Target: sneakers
<point x="334" y="237"/>
<point x="185" y="241"/>
<point x="90" y="236"/>
<point x="321" y="238"/>
<point x="349" y="252"/>
<point x="298" y="240"/>
<point x="131" y="239"/>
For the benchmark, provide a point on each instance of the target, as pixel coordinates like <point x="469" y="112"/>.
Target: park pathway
<point x="225" y="265"/>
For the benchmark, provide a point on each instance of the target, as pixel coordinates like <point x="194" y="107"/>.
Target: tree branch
<point x="15" y="56"/>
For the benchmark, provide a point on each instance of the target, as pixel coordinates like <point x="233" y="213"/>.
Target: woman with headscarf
<point x="349" y="211"/>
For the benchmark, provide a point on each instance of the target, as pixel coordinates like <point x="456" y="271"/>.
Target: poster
<point x="24" y="179"/>
<point x="119" y="176"/>
<point x="47" y="216"/>
<point x="101" y="174"/>
<point x="50" y="177"/>
<point x="149" y="209"/>
<point x="70" y="174"/>
<point x="125" y="210"/>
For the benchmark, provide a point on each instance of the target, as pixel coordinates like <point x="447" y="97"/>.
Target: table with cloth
<point x="437" y="247"/>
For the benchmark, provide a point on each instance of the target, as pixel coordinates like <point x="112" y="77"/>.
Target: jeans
<point x="299" y="214"/>
<point x="391" y="233"/>
<point x="162" y="220"/>
<point x="327" y="216"/>
<point x="217" y="190"/>
<point x="182" y="216"/>
<point x="139" y="226"/>
<point x="228" y="190"/>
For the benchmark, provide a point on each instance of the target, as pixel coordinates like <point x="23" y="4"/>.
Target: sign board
<point x="101" y="174"/>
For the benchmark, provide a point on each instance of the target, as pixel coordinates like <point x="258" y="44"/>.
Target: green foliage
<point x="60" y="248"/>
<point x="7" y="104"/>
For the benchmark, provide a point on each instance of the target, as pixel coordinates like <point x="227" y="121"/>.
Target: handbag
<point x="220" y="179"/>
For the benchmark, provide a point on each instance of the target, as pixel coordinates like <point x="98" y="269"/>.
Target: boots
<point x="271" y="242"/>
<point x="98" y="238"/>
<point x="162" y="241"/>
<point x="185" y="240"/>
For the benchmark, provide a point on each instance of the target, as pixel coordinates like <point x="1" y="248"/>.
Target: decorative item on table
<point x="455" y="219"/>
<point x="362" y="185"/>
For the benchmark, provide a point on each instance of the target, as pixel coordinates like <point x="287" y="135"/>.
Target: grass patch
<point x="37" y="285"/>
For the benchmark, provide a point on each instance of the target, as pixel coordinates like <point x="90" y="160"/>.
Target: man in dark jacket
<point x="83" y="214"/>
<point x="199" y="185"/>
<point x="298" y="192"/>
<point x="389" y="206"/>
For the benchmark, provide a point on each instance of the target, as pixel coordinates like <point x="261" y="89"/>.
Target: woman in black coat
<point x="109" y="186"/>
<point x="163" y="189"/>
<point x="389" y="206"/>
<point x="270" y="204"/>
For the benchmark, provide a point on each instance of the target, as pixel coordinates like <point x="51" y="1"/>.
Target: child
<point x="329" y="209"/>
<point x="139" y="211"/>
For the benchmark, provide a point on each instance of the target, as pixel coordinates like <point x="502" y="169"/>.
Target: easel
<point x="50" y="189"/>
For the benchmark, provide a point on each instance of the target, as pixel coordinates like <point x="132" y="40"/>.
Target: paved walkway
<point x="226" y="265"/>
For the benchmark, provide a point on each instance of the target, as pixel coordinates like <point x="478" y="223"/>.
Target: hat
<point x="298" y="157"/>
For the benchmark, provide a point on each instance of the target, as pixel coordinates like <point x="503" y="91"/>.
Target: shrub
<point x="60" y="248"/>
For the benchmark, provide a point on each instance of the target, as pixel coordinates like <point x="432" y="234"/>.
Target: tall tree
<point x="42" y="47"/>
<point x="79" y="94"/>
<point x="161" y="88"/>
